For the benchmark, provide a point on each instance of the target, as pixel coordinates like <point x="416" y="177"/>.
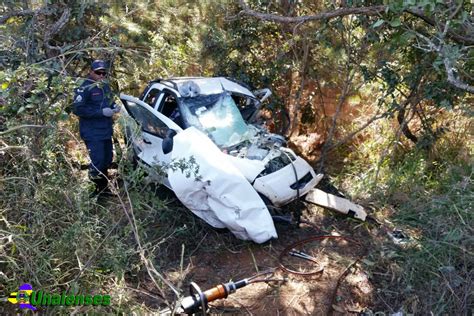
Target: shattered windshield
<point x="216" y="115"/>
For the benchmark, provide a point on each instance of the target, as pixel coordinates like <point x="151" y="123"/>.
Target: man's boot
<point x="104" y="190"/>
<point x="97" y="185"/>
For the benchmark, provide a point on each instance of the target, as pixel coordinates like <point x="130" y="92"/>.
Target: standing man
<point x="94" y="105"/>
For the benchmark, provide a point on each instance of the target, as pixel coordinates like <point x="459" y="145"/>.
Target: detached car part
<point x="336" y="203"/>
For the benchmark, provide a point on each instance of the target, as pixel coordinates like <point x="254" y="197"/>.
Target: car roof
<point x="208" y="85"/>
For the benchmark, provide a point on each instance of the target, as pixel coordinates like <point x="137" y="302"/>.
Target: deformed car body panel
<point x="215" y="195"/>
<point x="214" y="85"/>
<point x="336" y="203"/>
<point x="248" y="167"/>
<point x="277" y="186"/>
<point x="221" y="195"/>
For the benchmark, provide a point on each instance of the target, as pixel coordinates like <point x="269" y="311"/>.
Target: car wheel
<point x="274" y="210"/>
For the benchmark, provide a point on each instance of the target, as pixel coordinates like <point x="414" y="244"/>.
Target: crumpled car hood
<point x="222" y="196"/>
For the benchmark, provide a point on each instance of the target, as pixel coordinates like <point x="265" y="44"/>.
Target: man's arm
<point x="82" y="108"/>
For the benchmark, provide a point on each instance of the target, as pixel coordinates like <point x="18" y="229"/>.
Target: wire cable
<point x="298" y="244"/>
<point x="298" y="215"/>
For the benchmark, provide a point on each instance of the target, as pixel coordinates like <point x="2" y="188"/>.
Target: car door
<point x="147" y="128"/>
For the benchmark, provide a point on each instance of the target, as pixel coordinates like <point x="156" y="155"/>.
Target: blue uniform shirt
<point x="89" y="100"/>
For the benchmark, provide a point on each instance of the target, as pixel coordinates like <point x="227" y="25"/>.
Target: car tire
<point x="274" y="210"/>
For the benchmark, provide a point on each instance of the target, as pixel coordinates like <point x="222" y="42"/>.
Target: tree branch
<point x="441" y="50"/>
<point x="372" y="10"/>
<point x="351" y="135"/>
<point x="21" y="126"/>
<point x="2" y="149"/>
<point x="452" y="79"/>
<point x="294" y="127"/>
<point x="342" y="99"/>
<point x="4" y="18"/>
<point x="56" y="28"/>
<point x="466" y="40"/>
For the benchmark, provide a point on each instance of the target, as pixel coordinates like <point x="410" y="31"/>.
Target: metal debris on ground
<point x="399" y="237"/>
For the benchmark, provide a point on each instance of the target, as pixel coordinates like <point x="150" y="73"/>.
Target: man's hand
<point x="116" y="109"/>
<point x="108" y="112"/>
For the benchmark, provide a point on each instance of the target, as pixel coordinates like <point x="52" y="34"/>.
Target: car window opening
<point x="246" y="106"/>
<point x="147" y="121"/>
<point x="218" y="116"/>
<point x="152" y="97"/>
<point x="170" y="109"/>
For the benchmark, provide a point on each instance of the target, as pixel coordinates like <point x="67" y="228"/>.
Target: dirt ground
<point x="343" y="286"/>
<point x="299" y="295"/>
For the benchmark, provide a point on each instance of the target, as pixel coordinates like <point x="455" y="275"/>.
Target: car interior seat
<point x="170" y="110"/>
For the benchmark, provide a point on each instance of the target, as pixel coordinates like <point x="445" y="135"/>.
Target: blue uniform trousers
<point x="100" y="153"/>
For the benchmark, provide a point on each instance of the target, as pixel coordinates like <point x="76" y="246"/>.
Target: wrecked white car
<point x="242" y="167"/>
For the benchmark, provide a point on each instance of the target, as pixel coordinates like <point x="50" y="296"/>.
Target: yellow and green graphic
<point x="27" y="298"/>
<point x="22" y="297"/>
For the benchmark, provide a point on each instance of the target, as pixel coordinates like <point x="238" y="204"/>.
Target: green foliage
<point x="428" y="196"/>
<point x="35" y="93"/>
<point x="57" y="237"/>
<point x="244" y="49"/>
